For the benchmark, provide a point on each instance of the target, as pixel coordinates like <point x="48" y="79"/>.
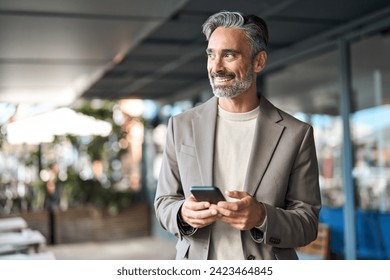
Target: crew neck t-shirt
<point x="234" y="137"/>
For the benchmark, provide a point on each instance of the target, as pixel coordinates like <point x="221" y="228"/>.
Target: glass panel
<point x="370" y="121"/>
<point x="310" y="91"/>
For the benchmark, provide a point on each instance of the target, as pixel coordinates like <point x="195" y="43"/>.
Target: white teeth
<point x="221" y="80"/>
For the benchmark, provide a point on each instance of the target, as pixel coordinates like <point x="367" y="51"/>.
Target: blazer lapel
<point x="266" y="138"/>
<point x="204" y="134"/>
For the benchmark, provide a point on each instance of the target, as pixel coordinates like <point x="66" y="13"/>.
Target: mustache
<point x="222" y="74"/>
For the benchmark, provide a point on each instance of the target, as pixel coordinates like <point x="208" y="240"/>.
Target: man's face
<point x="229" y="62"/>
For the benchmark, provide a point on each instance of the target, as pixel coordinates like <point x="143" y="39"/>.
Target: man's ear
<point x="259" y="61"/>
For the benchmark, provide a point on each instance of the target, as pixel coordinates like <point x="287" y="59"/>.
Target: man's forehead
<point x="228" y="32"/>
<point x="227" y="38"/>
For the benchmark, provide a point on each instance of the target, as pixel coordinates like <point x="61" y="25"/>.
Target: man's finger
<point x="202" y="214"/>
<point x="237" y="194"/>
<point x="192" y="204"/>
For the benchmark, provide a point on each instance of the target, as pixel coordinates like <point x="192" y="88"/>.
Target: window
<point x="370" y="121"/>
<point x="310" y="91"/>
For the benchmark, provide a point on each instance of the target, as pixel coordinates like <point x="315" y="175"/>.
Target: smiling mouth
<point x="219" y="78"/>
<point x="222" y="80"/>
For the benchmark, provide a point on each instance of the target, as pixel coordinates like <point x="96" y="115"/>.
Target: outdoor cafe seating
<point x="18" y="241"/>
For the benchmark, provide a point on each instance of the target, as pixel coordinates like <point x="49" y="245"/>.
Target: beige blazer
<point x="282" y="173"/>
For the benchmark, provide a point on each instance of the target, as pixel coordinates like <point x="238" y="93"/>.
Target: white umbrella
<point x="63" y="121"/>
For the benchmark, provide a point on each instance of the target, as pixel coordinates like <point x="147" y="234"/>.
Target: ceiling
<point x="58" y="51"/>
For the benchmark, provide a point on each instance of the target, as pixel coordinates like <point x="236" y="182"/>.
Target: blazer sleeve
<point x="296" y="224"/>
<point x="169" y="194"/>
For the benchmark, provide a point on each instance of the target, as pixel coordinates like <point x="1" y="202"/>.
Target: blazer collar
<point x="266" y="138"/>
<point x="204" y="134"/>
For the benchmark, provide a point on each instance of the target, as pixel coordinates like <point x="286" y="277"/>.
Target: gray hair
<point x="255" y="28"/>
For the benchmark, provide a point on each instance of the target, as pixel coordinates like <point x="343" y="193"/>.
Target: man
<point x="263" y="158"/>
<point x="52" y="199"/>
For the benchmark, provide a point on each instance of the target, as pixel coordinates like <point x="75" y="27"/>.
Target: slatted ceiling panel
<point x="47" y="37"/>
<point x="197" y="65"/>
<point x="118" y="8"/>
<point x="164" y="86"/>
<point x="182" y="33"/>
<point x="183" y="30"/>
<point x="207" y="7"/>
<point x="107" y="94"/>
<point x="282" y="36"/>
<point x="111" y="85"/>
<point x="115" y="81"/>
<point x="332" y="9"/>
<point x="156" y="50"/>
<point x="81" y="37"/>
<point x="139" y="65"/>
<point x="138" y="57"/>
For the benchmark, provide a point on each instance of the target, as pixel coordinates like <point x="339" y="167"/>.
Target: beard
<point x="237" y="86"/>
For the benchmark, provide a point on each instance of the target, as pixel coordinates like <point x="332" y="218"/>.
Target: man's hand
<point x="198" y="214"/>
<point x="244" y="214"/>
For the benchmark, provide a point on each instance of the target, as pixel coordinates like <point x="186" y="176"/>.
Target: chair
<point x="319" y="249"/>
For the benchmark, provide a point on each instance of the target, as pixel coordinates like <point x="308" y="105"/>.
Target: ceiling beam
<point x="329" y="39"/>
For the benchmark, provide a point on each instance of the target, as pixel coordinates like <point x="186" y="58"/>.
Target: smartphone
<point x="211" y="194"/>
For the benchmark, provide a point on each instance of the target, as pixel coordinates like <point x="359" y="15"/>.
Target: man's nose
<point x="216" y="65"/>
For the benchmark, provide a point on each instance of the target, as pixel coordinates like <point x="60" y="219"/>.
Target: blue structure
<point x="372" y="233"/>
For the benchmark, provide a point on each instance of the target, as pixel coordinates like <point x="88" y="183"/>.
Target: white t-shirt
<point x="234" y="137"/>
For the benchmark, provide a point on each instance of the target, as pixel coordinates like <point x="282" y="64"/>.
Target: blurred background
<point x="87" y="88"/>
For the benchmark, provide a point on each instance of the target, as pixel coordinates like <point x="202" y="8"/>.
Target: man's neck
<point x="245" y="102"/>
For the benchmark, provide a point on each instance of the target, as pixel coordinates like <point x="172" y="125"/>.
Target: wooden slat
<point x="320" y="247"/>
